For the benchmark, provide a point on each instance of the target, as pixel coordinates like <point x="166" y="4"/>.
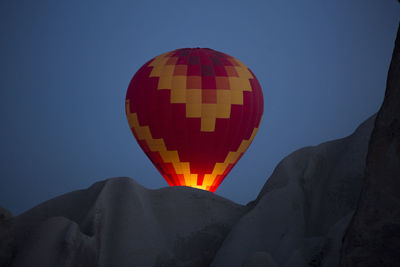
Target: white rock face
<point x="304" y="208"/>
<point x="117" y="222"/>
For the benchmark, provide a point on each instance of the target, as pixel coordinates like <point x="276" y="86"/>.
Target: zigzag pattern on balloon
<point x="182" y="169"/>
<point x="194" y="112"/>
<point x="208" y="95"/>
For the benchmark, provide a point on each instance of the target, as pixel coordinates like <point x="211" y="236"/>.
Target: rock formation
<point x="373" y="238"/>
<point x="304" y="208"/>
<point x="117" y="222"/>
<point x="298" y="218"/>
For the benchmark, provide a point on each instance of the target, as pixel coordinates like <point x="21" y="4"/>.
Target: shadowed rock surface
<point x="373" y="238"/>
<point x="304" y="208"/>
<point x="117" y="222"/>
<point x="260" y="259"/>
<point x="298" y="219"/>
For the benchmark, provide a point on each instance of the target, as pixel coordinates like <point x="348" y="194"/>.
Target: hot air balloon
<point x="194" y="112"/>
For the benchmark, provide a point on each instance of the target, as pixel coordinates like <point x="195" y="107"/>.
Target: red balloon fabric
<point x="194" y="112"/>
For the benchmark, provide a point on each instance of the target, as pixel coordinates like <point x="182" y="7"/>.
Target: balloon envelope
<point x="194" y="112"/>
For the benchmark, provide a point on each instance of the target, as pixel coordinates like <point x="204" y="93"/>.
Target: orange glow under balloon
<point x="194" y="112"/>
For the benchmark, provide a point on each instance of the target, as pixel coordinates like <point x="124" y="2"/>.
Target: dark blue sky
<point x="65" y="67"/>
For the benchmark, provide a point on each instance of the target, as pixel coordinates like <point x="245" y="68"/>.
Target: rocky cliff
<point x="304" y="208"/>
<point x="298" y="218"/>
<point x="373" y="238"/>
<point x="117" y="222"/>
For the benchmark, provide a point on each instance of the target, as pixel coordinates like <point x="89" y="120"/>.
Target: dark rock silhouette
<point x="304" y="208"/>
<point x="117" y="222"/>
<point x="298" y="218"/>
<point x="373" y="238"/>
